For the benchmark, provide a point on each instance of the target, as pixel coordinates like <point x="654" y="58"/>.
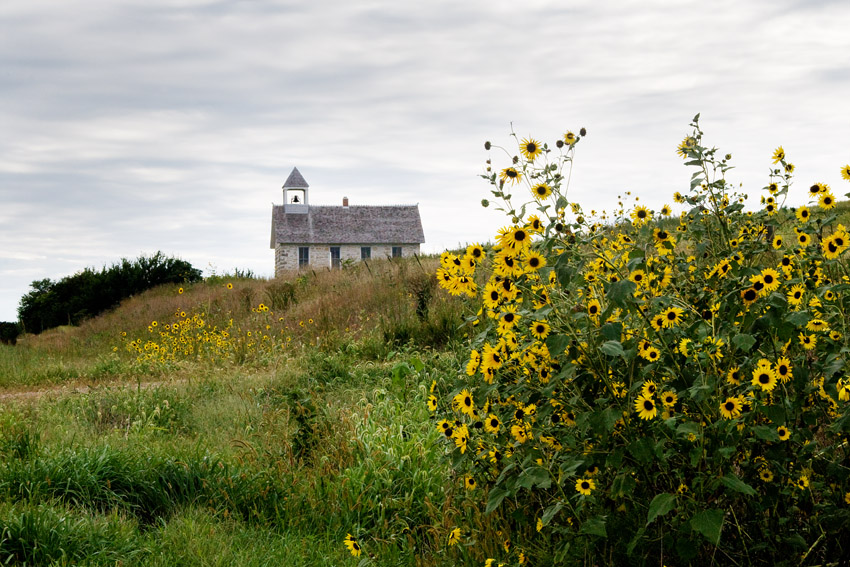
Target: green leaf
<point x="497" y="494"/>
<point x="594" y="526"/>
<point x="612" y="331"/>
<point x="557" y="344"/>
<point x="744" y="341"/>
<point x="798" y="318"/>
<point x="535" y="476"/>
<point x="766" y="433"/>
<point x="736" y="484"/>
<point x="619" y="291"/>
<point x="708" y="523"/>
<point x="613" y="348"/>
<point x="550" y="512"/>
<point x="642" y="450"/>
<point x="660" y="505"/>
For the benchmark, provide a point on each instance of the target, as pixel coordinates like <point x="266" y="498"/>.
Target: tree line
<point x="88" y="293"/>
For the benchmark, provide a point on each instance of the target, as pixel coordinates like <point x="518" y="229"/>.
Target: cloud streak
<point x="170" y="125"/>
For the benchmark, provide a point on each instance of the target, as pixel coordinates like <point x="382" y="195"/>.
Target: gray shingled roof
<point x="295" y="180"/>
<point x="348" y="225"/>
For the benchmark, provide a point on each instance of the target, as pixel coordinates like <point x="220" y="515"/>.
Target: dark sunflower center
<point x="585" y="485"/>
<point x="494" y="295"/>
<point x="729" y="406"/>
<point x="494" y="423"/>
<point x="534" y="262"/>
<point x="467" y="401"/>
<point x="509" y="317"/>
<point x="832" y="247"/>
<point x="671" y="316"/>
<point x="519" y="235"/>
<point x="641" y="214"/>
<point x="648" y="405"/>
<point x="839" y="242"/>
<point x="798" y="294"/>
<point x="768" y="279"/>
<point x="511" y="173"/>
<point x="519" y="414"/>
<point x="764" y="378"/>
<point x="531" y="148"/>
<point x="662" y="235"/>
<point x="758" y="285"/>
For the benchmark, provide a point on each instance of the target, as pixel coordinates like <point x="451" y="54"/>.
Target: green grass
<point x="268" y="462"/>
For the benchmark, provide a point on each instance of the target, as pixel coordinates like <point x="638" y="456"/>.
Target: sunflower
<point x="795" y="296"/>
<point x="803" y="239"/>
<point x="826" y="201"/>
<point x="685" y="145"/>
<point x="731" y="408"/>
<point x="229" y="286"/>
<point x="530" y="148"/>
<point x="464" y="403"/>
<point x="516" y="238"/>
<point x="802" y="482"/>
<point x="469" y="482"/>
<point x="789" y="168"/>
<point x="749" y="296"/>
<point x="817" y="326"/>
<point x="770" y="278"/>
<point x="534" y="261"/>
<point x="833" y="245"/>
<point x="649" y="388"/>
<point x="475" y="251"/>
<point x="454" y="537"/>
<point x="638" y="276"/>
<point x="818" y="188"/>
<point x="764" y="377"/>
<point x="765" y="474"/>
<point x="669" y="399"/>
<point x="492" y="424"/>
<point x="666" y="211"/>
<point x="645" y="407"/>
<point x="672" y="316"/>
<point x="784" y="433"/>
<point x="570" y="138"/>
<point x="845" y="174"/>
<point x="782" y="369"/>
<point x="510" y="174"/>
<point x="778" y="155"/>
<point x="585" y="486"/>
<point x="808" y="342"/>
<point x="657" y="322"/>
<point x="351" y="543"/>
<point x="640" y="215"/>
<point x="594" y="308"/>
<point x="651" y="354"/>
<point x="540" y="330"/>
<point x="432" y="403"/>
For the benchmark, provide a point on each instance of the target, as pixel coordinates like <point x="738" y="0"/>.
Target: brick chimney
<point x="345" y="201"/>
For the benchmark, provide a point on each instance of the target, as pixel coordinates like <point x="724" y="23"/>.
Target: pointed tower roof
<point x="295" y="180"/>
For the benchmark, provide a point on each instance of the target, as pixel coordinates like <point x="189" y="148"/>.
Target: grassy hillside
<point x="252" y="452"/>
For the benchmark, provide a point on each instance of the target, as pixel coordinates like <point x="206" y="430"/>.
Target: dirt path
<point x="76" y="389"/>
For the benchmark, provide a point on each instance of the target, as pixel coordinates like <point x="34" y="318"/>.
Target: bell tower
<point x="295" y="193"/>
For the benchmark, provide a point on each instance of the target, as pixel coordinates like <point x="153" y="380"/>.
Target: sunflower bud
<point x="486" y="145"/>
<point x="582" y="132"/>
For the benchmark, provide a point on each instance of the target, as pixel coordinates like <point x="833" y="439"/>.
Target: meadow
<point x="630" y="387"/>
<point x="248" y="452"/>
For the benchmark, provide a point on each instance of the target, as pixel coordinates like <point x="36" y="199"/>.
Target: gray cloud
<point x="138" y="126"/>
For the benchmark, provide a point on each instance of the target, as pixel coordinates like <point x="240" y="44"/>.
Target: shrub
<point x="646" y="387"/>
<point x="89" y="293"/>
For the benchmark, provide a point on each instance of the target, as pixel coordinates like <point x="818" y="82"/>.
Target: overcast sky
<point x="128" y="127"/>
